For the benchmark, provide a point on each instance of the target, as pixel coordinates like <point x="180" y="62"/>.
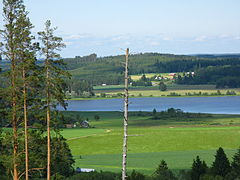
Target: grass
<point x="147" y="162"/>
<point x="175" y="140"/>
<point x="157" y="140"/>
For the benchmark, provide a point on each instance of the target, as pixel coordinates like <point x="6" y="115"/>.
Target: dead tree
<point x="125" y="135"/>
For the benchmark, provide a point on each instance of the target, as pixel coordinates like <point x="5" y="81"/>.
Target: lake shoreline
<point x="209" y="104"/>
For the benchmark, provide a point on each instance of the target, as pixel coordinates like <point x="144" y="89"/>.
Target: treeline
<point x="31" y="145"/>
<point x="221" y="169"/>
<point x="78" y="88"/>
<point x="221" y="76"/>
<point x="193" y="64"/>
<point x="176" y="113"/>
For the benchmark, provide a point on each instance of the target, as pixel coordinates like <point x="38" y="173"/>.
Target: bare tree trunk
<point x="125" y="136"/>
<point x="25" y="122"/>
<point x="48" y="131"/>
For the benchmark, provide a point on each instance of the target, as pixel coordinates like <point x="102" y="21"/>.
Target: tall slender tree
<point x="12" y="10"/>
<point x="27" y="65"/>
<point x="53" y="81"/>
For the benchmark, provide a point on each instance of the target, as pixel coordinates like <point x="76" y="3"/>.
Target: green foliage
<point x="79" y="88"/>
<point x="177" y="113"/>
<point x="109" y="70"/>
<point x="236" y="163"/>
<point x="136" y="176"/>
<point x="163" y="173"/>
<point x="154" y="112"/>
<point x="198" y="168"/>
<point x="222" y="76"/>
<point x="221" y="165"/>
<point x="62" y="159"/>
<point x="162" y="86"/>
<point x="230" y="93"/>
<point x="53" y="73"/>
<point x="96" y="117"/>
<point x="143" y="81"/>
<point x="3" y="170"/>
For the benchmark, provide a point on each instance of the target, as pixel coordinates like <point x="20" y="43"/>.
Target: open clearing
<point x="177" y="141"/>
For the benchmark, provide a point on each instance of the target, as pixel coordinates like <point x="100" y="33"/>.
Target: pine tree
<point x="162" y="172"/>
<point x="221" y="165"/>
<point x="27" y="66"/>
<point x="53" y="81"/>
<point x="12" y="10"/>
<point x="198" y="168"/>
<point x="236" y="163"/>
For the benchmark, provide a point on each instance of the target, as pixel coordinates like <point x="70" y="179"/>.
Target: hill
<point x="109" y="70"/>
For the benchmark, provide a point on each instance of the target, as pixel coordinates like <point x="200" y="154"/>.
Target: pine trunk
<point x="25" y="122"/>
<point x="14" y="124"/>
<point x="48" y="131"/>
<point x="14" y="108"/>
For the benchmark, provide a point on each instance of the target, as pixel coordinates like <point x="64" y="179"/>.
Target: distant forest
<point x="209" y="69"/>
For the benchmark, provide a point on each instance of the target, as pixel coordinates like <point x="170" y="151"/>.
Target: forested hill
<point x="109" y="70"/>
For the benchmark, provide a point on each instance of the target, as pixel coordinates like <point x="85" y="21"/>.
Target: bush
<point x="136" y="176"/>
<point x="230" y="93"/>
<point x="162" y="86"/>
<point x="103" y="95"/>
<point x="96" y="117"/>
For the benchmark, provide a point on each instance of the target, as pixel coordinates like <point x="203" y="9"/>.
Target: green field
<point x="175" y="140"/>
<point x="113" y="91"/>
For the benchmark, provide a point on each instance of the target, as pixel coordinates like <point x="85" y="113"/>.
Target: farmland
<point x="175" y="140"/>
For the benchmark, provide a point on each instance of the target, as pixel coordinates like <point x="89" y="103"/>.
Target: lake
<point x="216" y="105"/>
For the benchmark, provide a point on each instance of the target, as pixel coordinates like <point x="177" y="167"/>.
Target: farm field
<point x="177" y="141"/>
<point x="112" y="91"/>
<point x="148" y="75"/>
<point x="157" y="93"/>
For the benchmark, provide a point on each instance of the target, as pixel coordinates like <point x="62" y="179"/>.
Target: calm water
<point x="218" y="105"/>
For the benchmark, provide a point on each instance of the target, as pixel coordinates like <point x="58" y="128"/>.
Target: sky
<point x="105" y="27"/>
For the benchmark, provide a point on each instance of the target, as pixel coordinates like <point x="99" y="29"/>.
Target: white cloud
<point x="166" y="38"/>
<point x="120" y="37"/>
<point x="68" y="43"/>
<point x="76" y="36"/>
<point x="224" y="36"/>
<point x="237" y="37"/>
<point x="154" y="43"/>
<point x="201" y="38"/>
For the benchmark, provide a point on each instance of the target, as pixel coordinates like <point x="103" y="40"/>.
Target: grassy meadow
<point x="175" y="140"/>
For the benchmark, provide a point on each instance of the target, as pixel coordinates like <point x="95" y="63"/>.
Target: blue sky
<point x="165" y="26"/>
